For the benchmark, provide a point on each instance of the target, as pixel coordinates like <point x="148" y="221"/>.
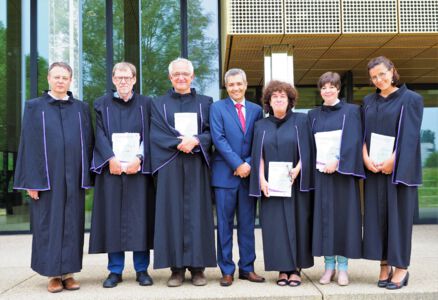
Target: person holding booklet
<point x="180" y="149"/>
<point x="282" y="175"/>
<point x="337" y="220"/>
<point x="392" y="120"/>
<point x="123" y="207"/>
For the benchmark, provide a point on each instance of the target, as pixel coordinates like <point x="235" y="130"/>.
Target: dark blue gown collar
<point x="393" y="95"/>
<point x="117" y="99"/>
<point x="337" y="106"/>
<point x="174" y="94"/>
<point x="56" y="101"/>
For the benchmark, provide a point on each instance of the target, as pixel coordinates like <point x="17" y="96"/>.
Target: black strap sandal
<point x="283" y="281"/>
<point x="295" y="283"/>
<point x="384" y="282"/>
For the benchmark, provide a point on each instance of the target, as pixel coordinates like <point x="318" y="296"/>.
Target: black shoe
<point x="384" y="282"/>
<point x="112" y="280"/>
<point x="144" y="279"/>
<point x="398" y="285"/>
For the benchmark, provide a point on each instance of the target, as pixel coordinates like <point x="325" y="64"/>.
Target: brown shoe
<point x="71" y="284"/>
<point x="55" y="285"/>
<point x="198" y="278"/>
<point x="176" y="279"/>
<point x="226" y="280"/>
<point x="251" y="276"/>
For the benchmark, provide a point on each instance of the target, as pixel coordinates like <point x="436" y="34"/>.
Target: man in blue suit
<point x="231" y="126"/>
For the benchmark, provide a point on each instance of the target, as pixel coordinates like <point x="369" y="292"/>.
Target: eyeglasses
<point x="181" y="74"/>
<point x="381" y="75"/>
<point x="121" y="78"/>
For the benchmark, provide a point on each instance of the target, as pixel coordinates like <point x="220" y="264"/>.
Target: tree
<point x="428" y="136"/>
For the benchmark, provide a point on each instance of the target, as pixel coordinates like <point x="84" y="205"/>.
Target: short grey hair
<point x="234" y="72"/>
<point x="124" y="65"/>
<point x="180" y="59"/>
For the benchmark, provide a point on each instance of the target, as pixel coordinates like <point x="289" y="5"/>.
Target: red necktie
<point x="240" y="115"/>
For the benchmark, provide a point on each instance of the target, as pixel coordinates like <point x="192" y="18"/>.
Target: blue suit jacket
<point x="232" y="145"/>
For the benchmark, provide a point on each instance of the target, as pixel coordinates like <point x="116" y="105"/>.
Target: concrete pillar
<point x="278" y="61"/>
<point x="65" y="38"/>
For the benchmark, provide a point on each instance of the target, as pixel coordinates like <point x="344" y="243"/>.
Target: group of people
<point x="155" y="178"/>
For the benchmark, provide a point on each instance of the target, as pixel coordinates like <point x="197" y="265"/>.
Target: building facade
<point x="293" y="40"/>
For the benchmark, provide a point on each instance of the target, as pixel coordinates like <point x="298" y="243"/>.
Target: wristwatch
<point x="140" y="157"/>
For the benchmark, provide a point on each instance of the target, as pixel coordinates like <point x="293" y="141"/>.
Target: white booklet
<point x="279" y="183"/>
<point x="186" y="123"/>
<point x="381" y="147"/>
<point x="328" y="147"/>
<point x="125" y="147"/>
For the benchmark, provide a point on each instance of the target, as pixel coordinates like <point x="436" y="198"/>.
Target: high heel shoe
<point x="398" y="285"/>
<point x="327" y="277"/>
<point x="384" y="282"/>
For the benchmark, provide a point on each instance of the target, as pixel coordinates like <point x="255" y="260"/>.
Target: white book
<point x="279" y="183"/>
<point x="125" y="147"/>
<point x="381" y="147"/>
<point x="186" y="123"/>
<point x="328" y="147"/>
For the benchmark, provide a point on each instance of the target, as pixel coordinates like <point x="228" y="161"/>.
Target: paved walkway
<point x="18" y="281"/>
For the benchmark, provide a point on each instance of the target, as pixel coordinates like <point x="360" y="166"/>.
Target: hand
<point x="264" y="186"/>
<point x="115" y="166"/>
<point x="369" y="164"/>
<point x="187" y="144"/>
<point x="293" y="174"/>
<point x="133" y="167"/>
<point x="243" y="170"/>
<point x="33" y="194"/>
<point x="331" y="167"/>
<point x="388" y="165"/>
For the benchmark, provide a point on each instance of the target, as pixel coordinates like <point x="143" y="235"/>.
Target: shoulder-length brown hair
<point x="278" y="86"/>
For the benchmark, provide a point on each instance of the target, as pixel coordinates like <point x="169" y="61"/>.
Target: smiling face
<point x="382" y="78"/>
<point x="181" y="77"/>
<point x="236" y="87"/>
<point x="59" y="80"/>
<point x="329" y="93"/>
<point x="279" y="103"/>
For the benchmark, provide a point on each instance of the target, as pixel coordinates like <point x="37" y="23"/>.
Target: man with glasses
<point x="123" y="208"/>
<point x="180" y="147"/>
<point x="53" y="167"/>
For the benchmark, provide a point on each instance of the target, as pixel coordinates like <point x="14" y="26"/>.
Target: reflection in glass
<point x="160" y="43"/>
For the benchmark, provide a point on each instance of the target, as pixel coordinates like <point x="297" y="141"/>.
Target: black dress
<point x="54" y="158"/>
<point x="286" y="221"/>
<point x="391" y="200"/>
<point x="337" y="220"/>
<point x="123" y="207"/>
<point x="184" y="228"/>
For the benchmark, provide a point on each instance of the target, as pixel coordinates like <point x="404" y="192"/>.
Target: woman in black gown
<point x="286" y="221"/>
<point x="337" y="220"/>
<point x="392" y="181"/>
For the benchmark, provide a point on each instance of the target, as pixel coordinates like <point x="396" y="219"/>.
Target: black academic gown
<point x="391" y="200"/>
<point x="54" y="159"/>
<point x="123" y="208"/>
<point x="286" y="222"/>
<point x="184" y="228"/>
<point x="337" y="220"/>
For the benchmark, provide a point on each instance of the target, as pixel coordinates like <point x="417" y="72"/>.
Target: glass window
<point x="203" y="45"/>
<point x="160" y="43"/>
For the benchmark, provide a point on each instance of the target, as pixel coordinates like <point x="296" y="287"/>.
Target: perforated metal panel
<point x="369" y="16"/>
<point x="418" y="15"/>
<point x="256" y="16"/>
<point x="312" y="16"/>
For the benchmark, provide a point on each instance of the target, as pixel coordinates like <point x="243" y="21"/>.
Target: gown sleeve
<point x="146" y="124"/>
<point x="306" y="153"/>
<point x="256" y="155"/>
<point x="351" y="160"/>
<point x="407" y="165"/>
<point x="103" y="151"/>
<point x="205" y="135"/>
<point x="87" y="131"/>
<point x="31" y="171"/>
